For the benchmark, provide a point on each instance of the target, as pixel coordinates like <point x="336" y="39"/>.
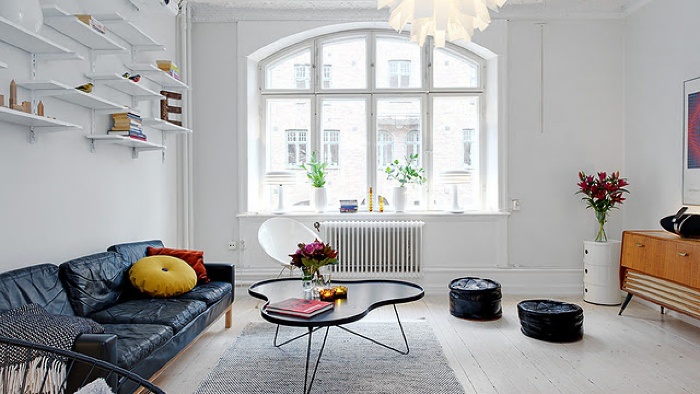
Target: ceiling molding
<point x="633" y="6"/>
<point x="366" y="10"/>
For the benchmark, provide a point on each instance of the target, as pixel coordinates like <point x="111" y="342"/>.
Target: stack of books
<point x="299" y="307"/>
<point x="169" y="68"/>
<point x="92" y="22"/>
<point x="347" y="206"/>
<point x="128" y="124"/>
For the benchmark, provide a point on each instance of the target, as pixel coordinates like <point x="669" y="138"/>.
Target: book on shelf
<point x="169" y="68"/>
<point x="137" y="134"/>
<point x="92" y="22"/>
<point x="299" y="307"/>
<point x="126" y="125"/>
<point x="124" y="116"/>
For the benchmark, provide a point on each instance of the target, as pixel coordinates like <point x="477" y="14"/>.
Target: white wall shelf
<point x="3" y="64"/>
<point x="35" y="122"/>
<point x="135" y="145"/>
<point x="164" y="126"/>
<point x="158" y="76"/>
<point x="125" y="85"/>
<point x="69" y="94"/>
<point x="72" y="27"/>
<point x="33" y="43"/>
<point x="129" y="32"/>
<point x="31" y="120"/>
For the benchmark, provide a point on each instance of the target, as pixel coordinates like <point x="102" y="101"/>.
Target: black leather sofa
<point x="141" y="333"/>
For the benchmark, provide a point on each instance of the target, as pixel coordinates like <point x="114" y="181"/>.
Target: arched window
<point x="374" y="88"/>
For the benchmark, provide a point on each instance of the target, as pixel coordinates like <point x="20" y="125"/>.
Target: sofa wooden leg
<point x="229" y="317"/>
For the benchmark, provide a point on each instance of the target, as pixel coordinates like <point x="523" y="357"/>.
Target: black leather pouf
<point x="551" y="320"/>
<point x="475" y="298"/>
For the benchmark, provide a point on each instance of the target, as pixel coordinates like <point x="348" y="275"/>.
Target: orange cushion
<point x="195" y="258"/>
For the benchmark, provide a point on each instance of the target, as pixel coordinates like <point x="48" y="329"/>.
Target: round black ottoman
<point x="551" y="320"/>
<point x="475" y="298"/>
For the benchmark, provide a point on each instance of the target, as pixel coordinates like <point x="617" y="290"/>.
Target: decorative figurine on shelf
<point x="13" y="94"/>
<point x="133" y="78"/>
<point x="40" y="108"/>
<point x="87" y="88"/>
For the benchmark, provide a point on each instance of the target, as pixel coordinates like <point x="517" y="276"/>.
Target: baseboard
<point x="532" y="282"/>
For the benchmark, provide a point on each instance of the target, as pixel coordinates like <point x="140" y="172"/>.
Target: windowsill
<point x="364" y="215"/>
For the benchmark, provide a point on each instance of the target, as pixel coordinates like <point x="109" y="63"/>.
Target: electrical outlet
<point x="516" y="204"/>
<point x="232" y="245"/>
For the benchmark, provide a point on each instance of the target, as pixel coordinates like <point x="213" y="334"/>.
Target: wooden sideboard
<point x="662" y="268"/>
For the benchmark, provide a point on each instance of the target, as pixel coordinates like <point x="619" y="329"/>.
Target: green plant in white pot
<point x="316" y="172"/>
<point x="404" y="173"/>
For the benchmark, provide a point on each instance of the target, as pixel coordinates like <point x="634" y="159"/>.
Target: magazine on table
<point x="299" y="307"/>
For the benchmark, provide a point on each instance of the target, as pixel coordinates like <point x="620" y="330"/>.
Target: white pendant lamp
<point x="441" y="19"/>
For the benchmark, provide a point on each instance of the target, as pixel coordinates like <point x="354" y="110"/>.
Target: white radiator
<point x="375" y="248"/>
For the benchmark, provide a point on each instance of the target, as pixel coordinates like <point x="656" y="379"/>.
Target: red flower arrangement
<point x="602" y="193"/>
<point x="309" y="257"/>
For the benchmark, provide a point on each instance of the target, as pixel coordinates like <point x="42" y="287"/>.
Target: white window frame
<point x="427" y="91"/>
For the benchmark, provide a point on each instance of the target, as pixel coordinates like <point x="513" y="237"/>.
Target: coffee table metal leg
<point x="307" y="389"/>
<point x="403" y="334"/>
<point x="289" y="340"/>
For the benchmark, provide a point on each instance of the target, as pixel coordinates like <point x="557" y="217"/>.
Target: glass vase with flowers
<point x="602" y="193"/>
<point x="311" y="258"/>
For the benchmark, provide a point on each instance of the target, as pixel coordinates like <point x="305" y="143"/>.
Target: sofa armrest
<point x="221" y="272"/>
<point x="100" y="346"/>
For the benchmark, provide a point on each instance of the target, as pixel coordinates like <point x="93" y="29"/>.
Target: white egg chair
<point x="280" y="237"/>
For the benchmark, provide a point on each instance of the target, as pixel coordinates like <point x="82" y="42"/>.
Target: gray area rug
<point x="349" y="364"/>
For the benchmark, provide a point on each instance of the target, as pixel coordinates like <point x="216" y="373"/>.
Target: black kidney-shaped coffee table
<point x="363" y="297"/>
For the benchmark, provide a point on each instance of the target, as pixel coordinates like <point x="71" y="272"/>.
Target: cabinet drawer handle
<point x="682" y="254"/>
<point x="639" y="245"/>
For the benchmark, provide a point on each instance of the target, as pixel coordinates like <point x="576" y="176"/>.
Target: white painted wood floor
<point x="641" y="351"/>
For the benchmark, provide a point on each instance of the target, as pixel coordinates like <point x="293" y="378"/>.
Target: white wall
<point x="538" y="247"/>
<point x="58" y="200"/>
<point x="579" y="129"/>
<point x="660" y="53"/>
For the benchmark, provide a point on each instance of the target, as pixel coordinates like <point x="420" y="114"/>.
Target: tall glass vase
<point x="602" y="217"/>
<point x="307" y="281"/>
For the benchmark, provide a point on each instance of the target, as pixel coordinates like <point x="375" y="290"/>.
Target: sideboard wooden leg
<point x="624" y="304"/>
<point x="663" y="310"/>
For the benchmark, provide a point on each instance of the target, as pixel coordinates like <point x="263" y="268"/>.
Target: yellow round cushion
<point x="162" y="276"/>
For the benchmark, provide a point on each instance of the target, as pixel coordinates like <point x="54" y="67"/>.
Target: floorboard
<point x="642" y="351"/>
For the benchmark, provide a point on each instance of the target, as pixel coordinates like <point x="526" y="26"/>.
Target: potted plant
<point x="406" y="173"/>
<point x="316" y="172"/>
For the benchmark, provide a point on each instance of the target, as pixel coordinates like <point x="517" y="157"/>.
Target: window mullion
<point x="316" y="135"/>
<point x="427" y="147"/>
<point x="372" y="169"/>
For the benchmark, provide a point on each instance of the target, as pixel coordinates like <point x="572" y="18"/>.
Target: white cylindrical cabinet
<point x="601" y="272"/>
